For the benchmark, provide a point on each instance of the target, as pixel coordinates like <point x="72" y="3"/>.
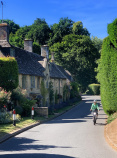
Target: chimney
<point x="28" y="45"/>
<point x="52" y="57"/>
<point x="45" y="51"/>
<point x="4" y="32"/>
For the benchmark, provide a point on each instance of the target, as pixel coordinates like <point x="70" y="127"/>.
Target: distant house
<point x="34" y="68"/>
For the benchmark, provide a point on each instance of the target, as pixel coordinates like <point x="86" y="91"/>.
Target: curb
<point x="8" y="136"/>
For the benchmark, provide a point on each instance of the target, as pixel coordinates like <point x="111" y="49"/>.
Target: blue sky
<point x="95" y="14"/>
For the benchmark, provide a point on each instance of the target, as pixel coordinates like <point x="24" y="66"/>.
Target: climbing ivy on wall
<point x="51" y="92"/>
<point x="66" y="92"/>
<point x="44" y="92"/>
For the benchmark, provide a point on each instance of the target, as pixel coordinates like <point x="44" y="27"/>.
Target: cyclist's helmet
<point x="95" y="101"/>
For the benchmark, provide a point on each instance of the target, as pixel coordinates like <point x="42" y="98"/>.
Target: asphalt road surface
<point x="71" y="135"/>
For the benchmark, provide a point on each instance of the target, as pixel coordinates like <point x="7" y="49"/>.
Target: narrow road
<point x="71" y="135"/>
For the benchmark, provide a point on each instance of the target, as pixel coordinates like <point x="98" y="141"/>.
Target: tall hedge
<point x="8" y="73"/>
<point x="107" y="70"/>
<point x="93" y="89"/>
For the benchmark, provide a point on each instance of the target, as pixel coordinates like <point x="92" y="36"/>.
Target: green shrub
<point x="27" y="104"/>
<point x="112" y="117"/>
<point x="107" y="70"/>
<point x="21" y="103"/>
<point x="6" y="117"/>
<point x="66" y="92"/>
<point x="19" y="110"/>
<point x="74" y="92"/>
<point x="112" y="31"/>
<point x="93" y="89"/>
<point x="4" y="98"/>
<point x="8" y="73"/>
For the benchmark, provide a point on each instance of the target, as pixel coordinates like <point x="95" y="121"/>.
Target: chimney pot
<point x="4" y="32"/>
<point x="28" y="45"/>
<point x="45" y="51"/>
<point x="52" y="57"/>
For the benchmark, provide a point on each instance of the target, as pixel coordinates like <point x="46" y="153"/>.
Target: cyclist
<point x="95" y="107"/>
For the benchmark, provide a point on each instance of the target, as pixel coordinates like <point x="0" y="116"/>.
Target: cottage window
<point x="32" y="79"/>
<point x="38" y="82"/>
<point x="24" y="81"/>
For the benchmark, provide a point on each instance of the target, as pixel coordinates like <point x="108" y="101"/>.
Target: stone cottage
<point x="34" y="68"/>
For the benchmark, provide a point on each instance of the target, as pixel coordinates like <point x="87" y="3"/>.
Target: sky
<point x="94" y="14"/>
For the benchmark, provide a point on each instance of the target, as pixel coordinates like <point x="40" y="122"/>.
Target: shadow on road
<point x="79" y="114"/>
<point x="34" y="156"/>
<point x="23" y="144"/>
<point x="101" y="124"/>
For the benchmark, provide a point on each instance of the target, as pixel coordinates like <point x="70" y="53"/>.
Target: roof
<point x="57" y="71"/>
<point x="28" y="62"/>
<point x="4" y="43"/>
<point x="66" y="73"/>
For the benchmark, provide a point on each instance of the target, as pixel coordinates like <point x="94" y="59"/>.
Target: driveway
<point x="71" y="135"/>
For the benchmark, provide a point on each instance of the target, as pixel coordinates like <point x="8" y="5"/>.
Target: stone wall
<point x="42" y="111"/>
<point x="28" y="84"/>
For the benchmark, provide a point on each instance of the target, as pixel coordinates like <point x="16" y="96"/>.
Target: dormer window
<point x="12" y="52"/>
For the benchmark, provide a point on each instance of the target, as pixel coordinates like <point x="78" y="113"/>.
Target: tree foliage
<point x="17" y="39"/>
<point x="78" y="55"/>
<point x="107" y="71"/>
<point x="97" y="43"/>
<point x="8" y="73"/>
<point x="58" y="31"/>
<point x="79" y="30"/>
<point x="39" y="31"/>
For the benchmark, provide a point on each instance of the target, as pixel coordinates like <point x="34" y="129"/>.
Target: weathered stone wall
<point x="42" y="111"/>
<point x="28" y="84"/>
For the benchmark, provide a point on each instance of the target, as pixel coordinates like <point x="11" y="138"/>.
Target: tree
<point x="97" y="42"/>
<point x="78" y="55"/>
<point x="8" y="73"/>
<point x="36" y="48"/>
<point x="58" y="31"/>
<point x="79" y="30"/>
<point x="39" y="31"/>
<point x="107" y="70"/>
<point x="17" y="39"/>
<point x="13" y="27"/>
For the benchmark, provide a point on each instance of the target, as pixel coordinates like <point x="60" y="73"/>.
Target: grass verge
<point x="9" y="128"/>
<point x="27" y="121"/>
<point x="112" y="117"/>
